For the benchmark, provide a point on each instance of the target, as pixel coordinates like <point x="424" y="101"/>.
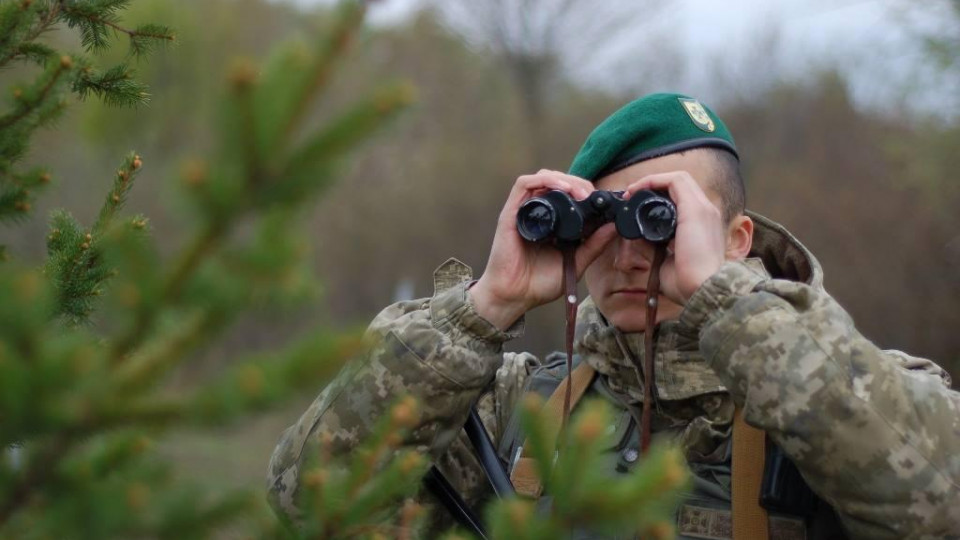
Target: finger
<point x="527" y="186"/>
<point x="531" y="182"/>
<point x="594" y="246"/>
<point x="583" y="187"/>
<point x="682" y="187"/>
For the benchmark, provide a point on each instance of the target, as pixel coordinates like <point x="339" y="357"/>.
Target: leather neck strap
<point x="571" y="301"/>
<point x="653" y="293"/>
<point x="749" y="518"/>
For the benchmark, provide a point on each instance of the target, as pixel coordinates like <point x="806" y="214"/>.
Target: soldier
<point x="743" y="322"/>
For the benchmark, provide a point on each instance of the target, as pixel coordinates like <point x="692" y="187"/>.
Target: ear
<point x="739" y="238"/>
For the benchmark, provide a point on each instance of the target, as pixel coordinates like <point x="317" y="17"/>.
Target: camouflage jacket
<point x="875" y="433"/>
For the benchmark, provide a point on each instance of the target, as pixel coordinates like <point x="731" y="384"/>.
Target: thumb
<point x="594" y="246"/>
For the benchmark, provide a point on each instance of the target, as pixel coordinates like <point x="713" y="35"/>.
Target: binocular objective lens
<point x="657" y="219"/>
<point x="535" y="220"/>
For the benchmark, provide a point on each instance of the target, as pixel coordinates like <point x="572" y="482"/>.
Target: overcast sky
<point x="866" y="39"/>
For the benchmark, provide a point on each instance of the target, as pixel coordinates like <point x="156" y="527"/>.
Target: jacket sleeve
<point x="438" y="350"/>
<point x="875" y="433"/>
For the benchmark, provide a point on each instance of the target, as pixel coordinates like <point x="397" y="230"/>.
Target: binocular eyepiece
<point x="556" y="217"/>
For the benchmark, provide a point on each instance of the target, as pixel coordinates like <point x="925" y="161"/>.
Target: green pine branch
<point x="20" y="22"/>
<point x="75" y="262"/>
<point x="639" y="503"/>
<point x="244" y="183"/>
<point x="37" y="103"/>
<point x="34" y="102"/>
<point x="81" y="400"/>
<point x="115" y="87"/>
<point x="359" y="495"/>
<point x="97" y="20"/>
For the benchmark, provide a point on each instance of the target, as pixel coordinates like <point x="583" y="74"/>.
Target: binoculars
<point x="556" y="217"/>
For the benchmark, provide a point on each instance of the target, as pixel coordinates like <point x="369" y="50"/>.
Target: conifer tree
<point x="82" y="404"/>
<point x="39" y="102"/>
<point x="584" y="498"/>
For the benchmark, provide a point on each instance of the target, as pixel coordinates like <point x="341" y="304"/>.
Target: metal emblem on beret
<point x="698" y="114"/>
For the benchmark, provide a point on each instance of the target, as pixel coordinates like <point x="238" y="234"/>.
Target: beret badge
<point x="698" y="114"/>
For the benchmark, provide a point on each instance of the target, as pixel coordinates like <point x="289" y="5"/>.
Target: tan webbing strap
<point x="749" y="518"/>
<point x="524" y="475"/>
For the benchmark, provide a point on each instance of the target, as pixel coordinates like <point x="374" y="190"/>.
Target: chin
<point x="634" y="318"/>
<point x="629" y="320"/>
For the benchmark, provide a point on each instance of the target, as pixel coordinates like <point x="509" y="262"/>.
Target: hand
<point x="521" y="275"/>
<point x="699" y="247"/>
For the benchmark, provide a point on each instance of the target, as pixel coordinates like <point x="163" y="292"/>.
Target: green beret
<point x="649" y="127"/>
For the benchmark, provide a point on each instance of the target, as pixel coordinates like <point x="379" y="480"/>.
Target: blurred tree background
<point x="871" y="190"/>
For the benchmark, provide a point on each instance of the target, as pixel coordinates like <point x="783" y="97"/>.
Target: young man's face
<point x="617" y="279"/>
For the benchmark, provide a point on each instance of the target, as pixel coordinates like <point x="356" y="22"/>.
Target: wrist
<point x="733" y="280"/>
<point x="501" y="313"/>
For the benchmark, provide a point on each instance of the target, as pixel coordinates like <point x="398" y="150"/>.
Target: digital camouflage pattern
<point x="875" y="433"/>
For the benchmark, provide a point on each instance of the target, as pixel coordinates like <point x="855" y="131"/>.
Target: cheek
<point x="595" y="274"/>
<point x="592" y="279"/>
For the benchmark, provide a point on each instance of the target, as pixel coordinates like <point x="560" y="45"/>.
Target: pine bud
<point x="393" y="439"/>
<point x="660" y="530"/>
<point x="139" y="223"/>
<point x="85" y="246"/>
<point x="316" y="478"/>
<point x="532" y="404"/>
<point x="25" y="4"/>
<point x="673" y="472"/>
<point x="396" y="97"/>
<point x="591" y="425"/>
<point x="410" y="462"/>
<point x="410" y="511"/>
<point x="405" y="413"/>
<point x="195" y="172"/>
<point x="137" y="495"/>
<point x="88" y="237"/>
<point x="251" y="380"/>
<point x="123" y="175"/>
<point x="66" y="62"/>
<point x="45" y="178"/>
<point x="520" y="512"/>
<point x="243" y="74"/>
<point x="137" y="162"/>
<point x="115" y="198"/>
<point x="22" y="206"/>
<point x="142" y="444"/>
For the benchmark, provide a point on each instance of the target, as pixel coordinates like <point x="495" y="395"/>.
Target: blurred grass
<point x="230" y="458"/>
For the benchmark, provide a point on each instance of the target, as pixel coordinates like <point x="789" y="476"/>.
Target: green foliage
<point x="38" y="102"/>
<point x="82" y="399"/>
<point x="582" y="497"/>
<point x="75" y="261"/>
<point x="358" y="496"/>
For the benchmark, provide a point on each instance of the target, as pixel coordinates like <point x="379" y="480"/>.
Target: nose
<point x="633" y="255"/>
